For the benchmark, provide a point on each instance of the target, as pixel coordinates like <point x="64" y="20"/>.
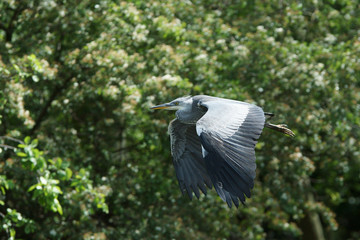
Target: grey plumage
<point x="213" y="144"/>
<point x="187" y="158"/>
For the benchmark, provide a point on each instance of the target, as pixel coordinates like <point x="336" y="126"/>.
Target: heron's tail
<point x="269" y="114"/>
<point x="280" y="128"/>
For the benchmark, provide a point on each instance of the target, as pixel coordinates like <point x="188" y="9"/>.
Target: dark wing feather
<point x="187" y="158"/>
<point x="228" y="133"/>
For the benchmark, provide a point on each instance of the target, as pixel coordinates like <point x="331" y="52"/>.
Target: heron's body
<point x="213" y="144"/>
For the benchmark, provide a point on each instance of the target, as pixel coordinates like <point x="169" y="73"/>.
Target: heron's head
<point x="181" y="103"/>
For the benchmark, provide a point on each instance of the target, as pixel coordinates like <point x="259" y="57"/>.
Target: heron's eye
<point x="176" y="103"/>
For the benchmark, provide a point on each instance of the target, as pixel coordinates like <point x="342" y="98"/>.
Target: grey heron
<point x="213" y="144"/>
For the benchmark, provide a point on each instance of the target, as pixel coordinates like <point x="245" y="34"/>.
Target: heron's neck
<point x="190" y="114"/>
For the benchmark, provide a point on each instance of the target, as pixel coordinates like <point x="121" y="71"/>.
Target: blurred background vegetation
<point x="83" y="157"/>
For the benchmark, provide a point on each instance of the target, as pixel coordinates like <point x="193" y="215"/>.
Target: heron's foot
<point x="283" y="128"/>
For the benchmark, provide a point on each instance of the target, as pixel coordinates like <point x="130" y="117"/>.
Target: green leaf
<point x="12" y="233"/>
<point x="68" y="173"/>
<point x="34" y="143"/>
<point x="33" y="187"/>
<point x="58" y="162"/>
<point x="43" y="180"/>
<point x="33" y="161"/>
<point x="27" y="140"/>
<point x="58" y="206"/>
<point x="56" y="190"/>
<point x="21" y="154"/>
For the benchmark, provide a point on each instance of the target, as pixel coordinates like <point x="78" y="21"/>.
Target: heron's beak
<point x="163" y="106"/>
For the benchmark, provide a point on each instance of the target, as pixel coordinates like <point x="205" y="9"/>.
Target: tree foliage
<point x="83" y="157"/>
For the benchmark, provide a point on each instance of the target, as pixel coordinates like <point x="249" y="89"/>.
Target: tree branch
<point x="311" y="224"/>
<point x="10" y="28"/>
<point x="7" y="146"/>
<point x="57" y="90"/>
<point x="2" y="26"/>
<point x="12" y="139"/>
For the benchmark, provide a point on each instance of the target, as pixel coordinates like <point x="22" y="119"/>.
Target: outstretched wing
<point x="187" y="158"/>
<point x="228" y="132"/>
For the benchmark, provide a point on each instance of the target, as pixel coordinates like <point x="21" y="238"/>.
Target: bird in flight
<point x="213" y="144"/>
